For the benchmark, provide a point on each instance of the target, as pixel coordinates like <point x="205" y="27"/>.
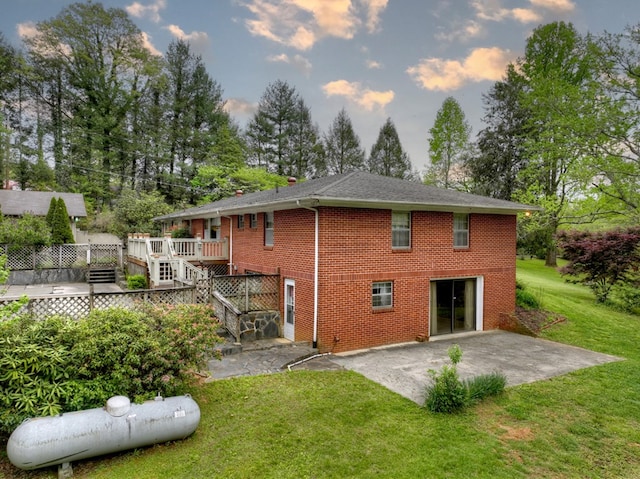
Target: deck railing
<point x="185" y="248"/>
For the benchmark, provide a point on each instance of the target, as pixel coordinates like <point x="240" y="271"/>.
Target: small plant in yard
<point x="525" y="299"/>
<point x="448" y="394"/>
<point x="136" y="281"/>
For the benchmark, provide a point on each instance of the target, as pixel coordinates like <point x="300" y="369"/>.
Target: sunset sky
<point x="376" y="58"/>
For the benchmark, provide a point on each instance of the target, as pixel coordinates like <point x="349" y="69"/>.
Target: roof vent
<point x="291" y="180"/>
<point x="238" y="193"/>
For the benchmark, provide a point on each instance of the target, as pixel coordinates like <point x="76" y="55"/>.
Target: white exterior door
<point x="289" y="309"/>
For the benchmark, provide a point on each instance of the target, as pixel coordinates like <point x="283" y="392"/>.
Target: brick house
<point x="367" y="260"/>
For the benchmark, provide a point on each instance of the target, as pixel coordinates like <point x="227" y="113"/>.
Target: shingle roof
<point x="356" y="189"/>
<point x="17" y="203"/>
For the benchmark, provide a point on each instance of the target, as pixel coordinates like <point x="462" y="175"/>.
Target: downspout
<point x="230" y="263"/>
<point x="315" y="274"/>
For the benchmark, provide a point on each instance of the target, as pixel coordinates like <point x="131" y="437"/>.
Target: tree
<point x="387" y="158"/>
<point x="195" y="116"/>
<point x="306" y="148"/>
<point x="60" y="228"/>
<point x="343" y="152"/>
<point x="272" y="127"/>
<point x="448" y="145"/>
<point x="559" y="95"/>
<point x="96" y="65"/>
<point x="28" y="230"/>
<point x="135" y="212"/>
<point x="51" y="212"/>
<point x="601" y="260"/>
<point x="615" y="152"/>
<point x="216" y="183"/>
<point x="494" y="170"/>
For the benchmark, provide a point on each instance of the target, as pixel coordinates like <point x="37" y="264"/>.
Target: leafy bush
<point x="627" y="294"/>
<point x="58" y="364"/>
<point x="181" y="232"/>
<point x="485" y="385"/>
<point x="448" y="394"/>
<point x="526" y="300"/>
<point x="137" y="281"/>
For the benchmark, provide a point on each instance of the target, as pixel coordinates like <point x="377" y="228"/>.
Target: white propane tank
<point x="120" y="425"/>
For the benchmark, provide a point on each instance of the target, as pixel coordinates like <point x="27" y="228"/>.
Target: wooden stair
<point x="101" y="275"/>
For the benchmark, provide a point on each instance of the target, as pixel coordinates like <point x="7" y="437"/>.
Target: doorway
<point x="453" y="306"/>
<point x="289" y="309"/>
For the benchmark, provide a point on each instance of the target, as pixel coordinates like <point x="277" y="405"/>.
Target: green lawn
<point x="339" y="424"/>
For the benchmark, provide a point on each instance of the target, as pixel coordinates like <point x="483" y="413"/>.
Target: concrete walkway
<point x="37" y="290"/>
<point x="403" y="368"/>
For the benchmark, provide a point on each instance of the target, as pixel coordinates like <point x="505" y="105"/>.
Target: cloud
<point x="445" y="75"/>
<point x="152" y="12"/>
<point x="239" y="106"/>
<point x="27" y="30"/>
<point x="198" y="40"/>
<point x="374" y="10"/>
<point x="354" y="92"/>
<point x="468" y="30"/>
<point x="299" y="62"/>
<point x="146" y="43"/>
<point x="555" y="5"/>
<point x="492" y="10"/>
<point x="373" y="65"/>
<point x="301" y="23"/>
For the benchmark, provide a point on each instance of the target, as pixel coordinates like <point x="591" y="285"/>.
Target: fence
<point x="80" y="305"/>
<point x="62" y="256"/>
<point x="251" y="292"/>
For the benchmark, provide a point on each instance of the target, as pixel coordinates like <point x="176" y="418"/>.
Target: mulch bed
<point x="537" y="320"/>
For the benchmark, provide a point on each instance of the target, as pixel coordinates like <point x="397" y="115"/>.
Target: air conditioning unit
<point x="215" y="221"/>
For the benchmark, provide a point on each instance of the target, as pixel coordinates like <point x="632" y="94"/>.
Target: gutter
<point x="316" y="261"/>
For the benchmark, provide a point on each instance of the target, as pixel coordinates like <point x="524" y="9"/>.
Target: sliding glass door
<point x="453" y="306"/>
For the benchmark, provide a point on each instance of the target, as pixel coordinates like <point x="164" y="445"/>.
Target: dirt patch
<point x="516" y="433"/>
<point x="536" y="320"/>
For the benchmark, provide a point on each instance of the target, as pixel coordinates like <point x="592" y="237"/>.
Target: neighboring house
<point x="16" y="203"/>
<point x="367" y="260"/>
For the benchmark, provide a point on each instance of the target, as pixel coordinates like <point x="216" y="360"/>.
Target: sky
<point x="378" y="59"/>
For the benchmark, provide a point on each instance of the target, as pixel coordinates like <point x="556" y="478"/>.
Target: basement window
<point x="382" y="294"/>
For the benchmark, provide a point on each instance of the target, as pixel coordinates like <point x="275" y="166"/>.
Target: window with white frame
<point x="253" y="220"/>
<point x="240" y="222"/>
<point x="460" y="230"/>
<point x="400" y="229"/>
<point x="268" y="229"/>
<point x="382" y="294"/>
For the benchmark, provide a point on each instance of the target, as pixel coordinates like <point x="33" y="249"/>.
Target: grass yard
<point x="338" y="424"/>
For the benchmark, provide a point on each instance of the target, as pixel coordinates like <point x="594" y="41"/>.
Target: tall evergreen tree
<point x="273" y="125"/>
<point x="343" y="152"/>
<point x="306" y="148"/>
<point x="494" y="170"/>
<point x="387" y="157"/>
<point x="95" y="63"/>
<point x="448" y="145"/>
<point x="60" y="228"/>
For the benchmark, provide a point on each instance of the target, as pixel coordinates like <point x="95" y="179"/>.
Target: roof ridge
<point x="337" y="182"/>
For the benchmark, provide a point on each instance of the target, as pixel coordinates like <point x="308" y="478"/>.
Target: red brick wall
<point x="355" y="250"/>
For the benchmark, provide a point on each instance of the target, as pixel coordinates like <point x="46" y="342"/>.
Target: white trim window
<point x="268" y="229"/>
<point x="240" y="222"/>
<point x="401" y="229"/>
<point x="253" y="220"/>
<point x="460" y="230"/>
<point x="382" y="294"/>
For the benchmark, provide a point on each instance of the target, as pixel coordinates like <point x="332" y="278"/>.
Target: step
<point x="101" y="275"/>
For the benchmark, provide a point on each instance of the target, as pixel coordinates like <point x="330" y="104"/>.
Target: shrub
<point x="35" y="369"/>
<point x="137" y="281"/>
<point x="58" y="364"/>
<point x="485" y="385"/>
<point x="526" y="300"/>
<point x="446" y="393"/>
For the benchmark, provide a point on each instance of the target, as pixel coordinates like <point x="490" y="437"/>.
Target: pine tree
<point x="387" y="157"/>
<point x="61" y="229"/>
